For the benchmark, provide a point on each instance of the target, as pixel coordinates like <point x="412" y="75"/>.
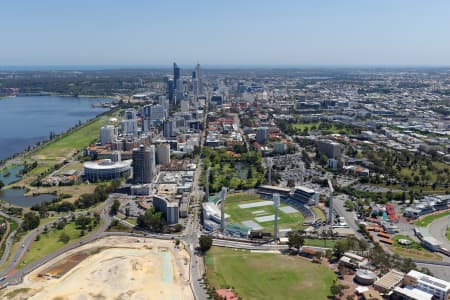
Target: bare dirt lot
<point x="111" y="268"/>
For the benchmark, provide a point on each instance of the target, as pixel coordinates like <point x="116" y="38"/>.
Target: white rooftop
<point x="430" y="280"/>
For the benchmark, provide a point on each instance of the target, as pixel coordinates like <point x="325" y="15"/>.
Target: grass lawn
<point x="416" y="254"/>
<point x="332" y="129"/>
<point x="319" y="213"/>
<point x="267" y="275"/>
<point x="77" y="166"/>
<point x="238" y="215"/>
<point x="49" y="243"/>
<point x="415" y="250"/>
<point x="448" y="234"/>
<point x="132" y="221"/>
<point x="320" y="243"/>
<point x="47" y="220"/>
<point x="428" y="219"/>
<point x="66" y="146"/>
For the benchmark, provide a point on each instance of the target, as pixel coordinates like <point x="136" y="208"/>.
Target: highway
<point x="15" y="276"/>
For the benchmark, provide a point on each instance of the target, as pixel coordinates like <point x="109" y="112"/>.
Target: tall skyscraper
<point x="145" y="114"/>
<point x="129" y="123"/>
<point x="176" y="73"/>
<point x="106" y="134"/>
<point x="170" y="89"/>
<point x="196" y="81"/>
<point x="198" y="76"/>
<point x="168" y="128"/>
<point x="144" y="164"/>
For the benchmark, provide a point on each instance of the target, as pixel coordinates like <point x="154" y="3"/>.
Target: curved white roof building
<point x="106" y="169"/>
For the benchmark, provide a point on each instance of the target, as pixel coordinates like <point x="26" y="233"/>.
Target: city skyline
<point x="254" y="33"/>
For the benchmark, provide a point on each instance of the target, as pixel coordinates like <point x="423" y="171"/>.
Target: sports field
<point x="252" y="209"/>
<point x="267" y="275"/>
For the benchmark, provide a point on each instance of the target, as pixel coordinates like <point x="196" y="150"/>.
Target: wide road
<point x="438" y="229"/>
<point x="15" y="276"/>
<point x="349" y="216"/>
<point x="9" y="241"/>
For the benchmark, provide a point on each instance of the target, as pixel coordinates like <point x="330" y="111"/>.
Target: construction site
<point x="116" y="268"/>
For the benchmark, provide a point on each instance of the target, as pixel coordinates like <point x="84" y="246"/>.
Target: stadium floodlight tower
<point x="222" y="207"/>
<point x="276" y="204"/>
<point x="207" y="184"/>
<point x="330" y="203"/>
<point x="269" y="166"/>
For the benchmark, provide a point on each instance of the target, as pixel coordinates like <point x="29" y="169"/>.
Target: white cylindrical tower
<point x="106" y="134"/>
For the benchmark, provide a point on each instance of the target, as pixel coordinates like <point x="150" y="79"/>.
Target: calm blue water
<point x="17" y="197"/>
<point x="167" y="271"/>
<point x="24" y="121"/>
<point x="13" y="175"/>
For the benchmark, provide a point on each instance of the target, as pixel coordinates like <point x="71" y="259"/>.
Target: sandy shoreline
<point x="116" y="268"/>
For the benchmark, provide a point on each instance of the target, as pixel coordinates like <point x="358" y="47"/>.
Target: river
<point x="24" y="121"/>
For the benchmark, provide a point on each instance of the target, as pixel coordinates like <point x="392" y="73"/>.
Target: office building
<point x="145" y="118"/>
<point x="129" y="114"/>
<point x="184" y="106"/>
<point x="329" y="148"/>
<point x="262" y="135"/>
<point x="168" y="208"/>
<point x="157" y="114"/>
<point x="163" y="154"/>
<point x="129" y="123"/>
<point x="168" y="128"/>
<point x="144" y="164"/>
<point x="106" y="134"/>
<point x="417" y="285"/>
<point x="179" y="91"/>
<point x="176" y="73"/>
<point x="129" y="127"/>
<point x="170" y="89"/>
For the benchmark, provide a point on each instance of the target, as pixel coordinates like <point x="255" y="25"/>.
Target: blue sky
<point x="231" y="32"/>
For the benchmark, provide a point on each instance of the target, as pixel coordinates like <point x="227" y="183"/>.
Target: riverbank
<point x="53" y="154"/>
<point x="28" y="122"/>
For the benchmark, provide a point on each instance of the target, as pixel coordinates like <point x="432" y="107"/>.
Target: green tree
<point x="61" y="225"/>
<point x="64" y="237"/>
<point x="295" y="240"/>
<point x="83" y="221"/>
<point x="2" y="184"/>
<point x="30" y="221"/>
<point x="115" y="207"/>
<point x="336" y="289"/>
<point x="205" y="243"/>
<point x="151" y="220"/>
